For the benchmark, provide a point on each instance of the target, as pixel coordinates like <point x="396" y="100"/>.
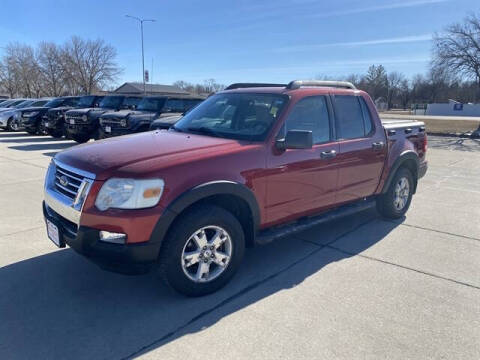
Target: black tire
<point x="9" y="125"/>
<point x="41" y="129"/>
<point x="387" y="204"/>
<point x="183" y="229"/>
<point x="80" y="138"/>
<point x="99" y="134"/>
<point x="55" y="133"/>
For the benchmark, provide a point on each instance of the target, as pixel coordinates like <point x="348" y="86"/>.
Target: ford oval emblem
<point x="63" y="180"/>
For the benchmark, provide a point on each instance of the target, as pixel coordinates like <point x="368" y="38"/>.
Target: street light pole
<point x="141" y="21"/>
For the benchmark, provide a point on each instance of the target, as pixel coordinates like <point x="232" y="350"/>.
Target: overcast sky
<point x="244" y="40"/>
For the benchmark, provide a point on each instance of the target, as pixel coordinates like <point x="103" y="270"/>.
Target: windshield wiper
<point x="204" y="130"/>
<point x="176" y="128"/>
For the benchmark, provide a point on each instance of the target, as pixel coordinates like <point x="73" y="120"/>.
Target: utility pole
<point x="141" y="21"/>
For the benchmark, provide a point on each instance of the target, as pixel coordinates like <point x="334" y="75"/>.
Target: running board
<point x="269" y="235"/>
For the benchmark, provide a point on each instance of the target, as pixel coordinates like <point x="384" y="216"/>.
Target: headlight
<point x="129" y="194"/>
<point x="31" y="114"/>
<point x="123" y="122"/>
<point x="84" y="118"/>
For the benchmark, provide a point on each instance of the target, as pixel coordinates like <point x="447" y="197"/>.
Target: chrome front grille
<point x="112" y="122"/>
<point x="67" y="182"/>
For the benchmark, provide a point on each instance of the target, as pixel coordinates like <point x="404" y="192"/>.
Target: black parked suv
<point x="82" y="124"/>
<point x="149" y="109"/>
<point x="30" y="118"/>
<point x="54" y="120"/>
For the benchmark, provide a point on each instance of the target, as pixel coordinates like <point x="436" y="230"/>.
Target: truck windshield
<point x="111" y="102"/>
<point x="24" y="104"/>
<point x="86" y="101"/>
<point x="241" y="116"/>
<point x="151" y="104"/>
<point x="54" y="103"/>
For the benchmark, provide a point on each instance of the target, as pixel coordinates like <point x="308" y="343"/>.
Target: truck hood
<point x="34" y="108"/>
<point x="111" y="157"/>
<point x="121" y="114"/>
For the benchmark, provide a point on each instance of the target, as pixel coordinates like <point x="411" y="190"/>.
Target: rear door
<point x="362" y="149"/>
<point x="303" y="181"/>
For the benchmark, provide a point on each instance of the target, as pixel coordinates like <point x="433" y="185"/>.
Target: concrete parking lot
<point x="361" y="287"/>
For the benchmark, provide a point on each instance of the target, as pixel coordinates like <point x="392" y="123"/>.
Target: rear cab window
<point x="353" y="117"/>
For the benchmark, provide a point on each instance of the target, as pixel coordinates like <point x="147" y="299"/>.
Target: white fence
<point x="453" y="109"/>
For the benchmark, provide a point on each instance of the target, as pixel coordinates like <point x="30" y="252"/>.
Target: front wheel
<point x="55" y="133"/>
<point x="80" y="138"/>
<point x="203" y="251"/>
<point x="396" y="201"/>
<point x="10" y="125"/>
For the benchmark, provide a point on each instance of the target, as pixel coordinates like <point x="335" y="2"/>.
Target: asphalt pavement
<point x="360" y="287"/>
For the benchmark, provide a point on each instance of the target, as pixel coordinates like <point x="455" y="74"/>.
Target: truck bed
<point x="393" y="124"/>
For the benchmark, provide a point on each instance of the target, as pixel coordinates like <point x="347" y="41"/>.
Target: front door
<point x="303" y="181"/>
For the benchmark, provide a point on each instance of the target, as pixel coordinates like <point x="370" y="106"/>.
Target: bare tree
<point x="394" y="79"/>
<point x="458" y="50"/>
<point x="49" y="57"/>
<point x="90" y="64"/>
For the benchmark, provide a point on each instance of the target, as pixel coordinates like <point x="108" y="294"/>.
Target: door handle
<point x="328" y="154"/>
<point x="378" y="145"/>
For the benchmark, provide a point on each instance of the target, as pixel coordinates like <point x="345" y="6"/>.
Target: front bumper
<point x="4" y="120"/>
<point x="85" y="128"/>
<point x="122" y="258"/>
<point x="422" y="169"/>
<point x="29" y="123"/>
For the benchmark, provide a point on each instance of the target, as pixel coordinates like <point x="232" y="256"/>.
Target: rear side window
<point x="350" y="119"/>
<point x="311" y="114"/>
<point x="175" y="105"/>
<point x="367" y="119"/>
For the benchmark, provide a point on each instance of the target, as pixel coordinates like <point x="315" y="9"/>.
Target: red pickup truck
<point x="250" y="164"/>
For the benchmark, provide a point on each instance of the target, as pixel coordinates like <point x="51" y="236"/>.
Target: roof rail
<point x="297" y="84"/>
<point x="252" y="85"/>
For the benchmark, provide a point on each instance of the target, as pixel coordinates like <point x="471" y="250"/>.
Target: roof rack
<point x="252" y="85"/>
<point x="297" y="84"/>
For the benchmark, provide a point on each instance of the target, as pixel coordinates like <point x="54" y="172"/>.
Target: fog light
<point x="116" y="238"/>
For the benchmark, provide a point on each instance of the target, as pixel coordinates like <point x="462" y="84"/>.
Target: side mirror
<point x="296" y="139"/>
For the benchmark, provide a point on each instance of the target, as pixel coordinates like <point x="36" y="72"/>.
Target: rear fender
<point x="408" y="159"/>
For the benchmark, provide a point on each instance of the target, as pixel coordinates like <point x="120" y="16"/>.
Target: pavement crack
<point x="434" y="230"/>
<point x="404" y="267"/>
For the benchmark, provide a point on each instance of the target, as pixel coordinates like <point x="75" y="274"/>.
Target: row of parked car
<point x="82" y="118"/>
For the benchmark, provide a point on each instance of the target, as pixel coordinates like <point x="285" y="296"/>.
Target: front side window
<point x="241" y="116"/>
<point x="175" y="105"/>
<point x="71" y="102"/>
<point x="151" y="104"/>
<point x="86" y="101"/>
<point x="131" y="101"/>
<point x="349" y="117"/>
<point x="54" y="103"/>
<point x="111" y="102"/>
<point x="310" y="114"/>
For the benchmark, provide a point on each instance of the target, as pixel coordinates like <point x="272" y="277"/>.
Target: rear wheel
<point x="202" y="251"/>
<point x="396" y="201"/>
<point x="80" y="138"/>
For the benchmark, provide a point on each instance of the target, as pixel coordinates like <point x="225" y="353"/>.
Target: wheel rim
<point x="206" y="254"/>
<point x="402" y="192"/>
